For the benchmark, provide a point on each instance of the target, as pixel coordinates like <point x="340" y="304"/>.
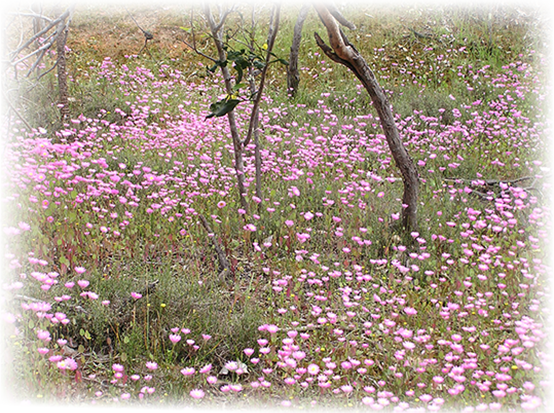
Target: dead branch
<point x="12" y="107"/>
<point x="64" y="19"/>
<point x="491" y="182"/>
<point x="33" y="15"/>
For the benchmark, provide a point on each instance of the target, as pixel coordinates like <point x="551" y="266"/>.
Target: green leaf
<point x="186" y="29"/>
<point x="222" y="107"/>
<point x="218" y="63"/>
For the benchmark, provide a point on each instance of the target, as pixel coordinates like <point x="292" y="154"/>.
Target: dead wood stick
<point x="475" y="182"/>
<point x="224" y="265"/>
<point x="12" y="107"/>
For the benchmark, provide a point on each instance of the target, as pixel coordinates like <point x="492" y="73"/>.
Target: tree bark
<point x="343" y="52"/>
<point x="293" y="77"/>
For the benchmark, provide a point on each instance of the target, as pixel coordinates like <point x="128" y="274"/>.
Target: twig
<point x="223" y="18"/>
<point x="422" y="35"/>
<point x="12" y="107"/>
<point x="193" y="48"/>
<point x="33" y="15"/>
<point x="193" y="45"/>
<point x="273" y="27"/>
<point x="223" y="262"/>
<point x="147" y="35"/>
<point x="37" y="35"/>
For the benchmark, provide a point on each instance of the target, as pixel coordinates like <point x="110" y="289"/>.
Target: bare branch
<point x="12" y="107"/>
<point x="340" y="18"/>
<point x="272" y="34"/>
<point x="336" y="38"/>
<point x="195" y="50"/>
<point x="223" y="18"/>
<point x="341" y="51"/>
<point x="62" y="22"/>
<point x="33" y="15"/>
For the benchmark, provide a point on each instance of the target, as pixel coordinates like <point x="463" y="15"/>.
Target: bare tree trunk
<point x="293" y="77"/>
<point x="345" y="53"/>
<point x="238" y="144"/>
<point x="238" y="147"/>
<point x="258" y="160"/>
<point x="255" y="117"/>
<point x="62" y="73"/>
<point x="257" y="153"/>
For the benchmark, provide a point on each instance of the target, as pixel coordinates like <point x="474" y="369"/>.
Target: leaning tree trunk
<point x="293" y="77"/>
<point x="343" y="52"/>
<point x="62" y="73"/>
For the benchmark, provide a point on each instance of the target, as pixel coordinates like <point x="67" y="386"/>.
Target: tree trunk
<point x="62" y="73"/>
<point x="238" y="147"/>
<point x="255" y="117"/>
<point x="345" y="53"/>
<point x="293" y="77"/>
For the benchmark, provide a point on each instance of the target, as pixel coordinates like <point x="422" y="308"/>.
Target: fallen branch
<point x="495" y="184"/>
<point x="491" y="182"/>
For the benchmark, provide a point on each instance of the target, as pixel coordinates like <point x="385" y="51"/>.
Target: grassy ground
<point x="114" y="288"/>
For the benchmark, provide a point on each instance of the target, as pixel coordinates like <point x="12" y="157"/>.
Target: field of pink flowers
<point x="113" y="289"/>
